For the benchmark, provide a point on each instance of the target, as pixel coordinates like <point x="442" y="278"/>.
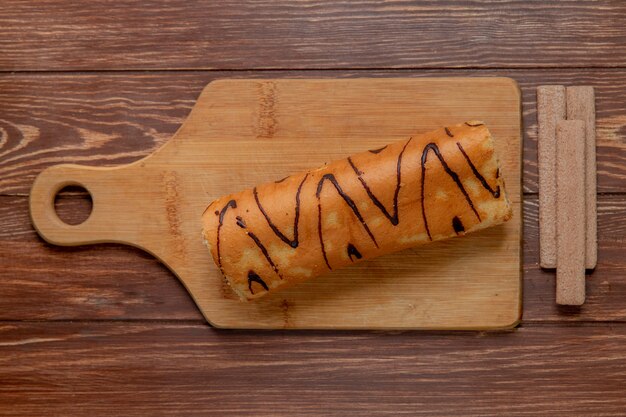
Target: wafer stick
<point x="550" y="109"/>
<point x="570" y="212"/>
<point x="581" y="106"/>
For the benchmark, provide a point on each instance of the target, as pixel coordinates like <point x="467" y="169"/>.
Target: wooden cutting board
<point x="244" y="132"/>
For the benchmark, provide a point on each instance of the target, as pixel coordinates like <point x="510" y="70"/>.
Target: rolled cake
<point x="429" y="187"/>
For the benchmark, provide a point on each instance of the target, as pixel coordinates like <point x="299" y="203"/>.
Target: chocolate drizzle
<point x="349" y="202"/>
<point x="230" y="204"/>
<point x="495" y="193"/>
<point x="379" y="150"/>
<point x="254" y="277"/>
<point x="265" y="253"/>
<point x="393" y="218"/>
<point x="457" y="225"/>
<point x="353" y="251"/>
<point x="242" y="224"/>
<point x="319" y="232"/>
<point x="455" y="177"/>
<point x="475" y="125"/>
<point x="293" y="243"/>
<point x="448" y="132"/>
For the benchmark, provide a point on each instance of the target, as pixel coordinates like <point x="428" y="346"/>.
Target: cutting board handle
<point x="98" y="227"/>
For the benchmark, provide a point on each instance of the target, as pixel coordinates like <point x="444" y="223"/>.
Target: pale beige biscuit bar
<point x="550" y="109"/>
<point x="581" y="106"/>
<point x="570" y="212"/>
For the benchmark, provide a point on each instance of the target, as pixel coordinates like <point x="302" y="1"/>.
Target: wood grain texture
<point x="245" y="132"/>
<point x="112" y="119"/>
<point x="160" y="369"/>
<point x="98" y="282"/>
<point x="113" y="282"/>
<point x="135" y="34"/>
<point x="605" y="286"/>
<point x="174" y="368"/>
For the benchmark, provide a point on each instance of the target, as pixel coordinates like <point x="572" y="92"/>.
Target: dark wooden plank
<point x="95" y="120"/>
<point x="139" y="369"/>
<point x="43" y="282"/>
<point x="138" y="34"/>
<point x="109" y="119"/>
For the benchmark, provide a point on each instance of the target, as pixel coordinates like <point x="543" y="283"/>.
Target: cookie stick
<point x="581" y="106"/>
<point x="570" y="212"/>
<point x="550" y="109"/>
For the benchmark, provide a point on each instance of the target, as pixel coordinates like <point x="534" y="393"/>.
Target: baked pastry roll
<point x="428" y="187"/>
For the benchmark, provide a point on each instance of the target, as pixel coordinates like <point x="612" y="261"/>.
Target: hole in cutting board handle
<point x="73" y="204"/>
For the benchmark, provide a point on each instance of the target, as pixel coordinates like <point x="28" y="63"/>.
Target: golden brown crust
<point x="429" y="187"/>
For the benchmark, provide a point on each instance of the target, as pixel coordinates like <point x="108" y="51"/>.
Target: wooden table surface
<point x="107" y="330"/>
